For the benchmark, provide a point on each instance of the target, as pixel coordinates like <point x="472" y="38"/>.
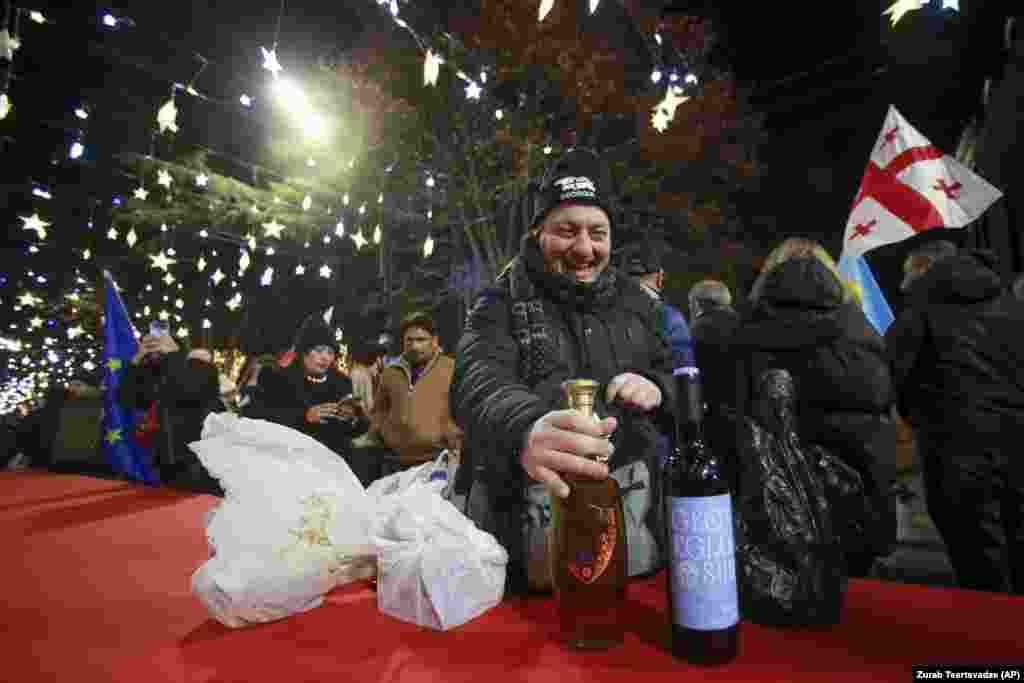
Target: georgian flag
<point x="909" y="186"/>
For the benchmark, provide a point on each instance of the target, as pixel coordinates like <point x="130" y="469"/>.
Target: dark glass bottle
<point x="702" y="549"/>
<point x="588" y="560"/>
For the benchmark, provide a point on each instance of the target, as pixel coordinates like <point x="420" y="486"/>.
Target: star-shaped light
<point x="235" y="302"/>
<point x="35" y="323"/>
<point x="473" y="90"/>
<point x="325" y="271"/>
<point x="167" y="117"/>
<point x="665" y="110"/>
<point x="168" y="279"/>
<point x="545" y="7"/>
<point x="141" y="193"/>
<point x="270" y="62"/>
<point x="431" y="68"/>
<point x="217" y="276"/>
<point x="307" y="202"/>
<point x="34" y="222"/>
<point x="8" y="44"/>
<point x="112" y="233"/>
<point x="164" y="178"/>
<point x="161" y="261"/>
<point x="300" y="269"/>
<point x="359" y="239"/>
<point x="29" y="299"/>
<point x="898" y="9"/>
<point x="202" y="179"/>
<point x="75" y="332"/>
<point x="273" y="229"/>
<point x="201" y="264"/>
<point x="132" y="237"/>
<point x="164" y="315"/>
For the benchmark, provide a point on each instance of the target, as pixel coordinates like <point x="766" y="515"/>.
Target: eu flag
<point x="119" y="346"/>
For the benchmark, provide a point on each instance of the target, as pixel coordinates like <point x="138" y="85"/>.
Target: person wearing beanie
<point x="642" y="261"/>
<point x="311" y="395"/>
<point x="558" y="311"/>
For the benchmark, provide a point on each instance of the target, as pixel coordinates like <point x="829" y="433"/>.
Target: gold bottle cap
<point x="580" y="394"/>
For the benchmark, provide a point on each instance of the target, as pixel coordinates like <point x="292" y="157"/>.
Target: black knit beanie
<point x="315" y="332"/>
<point x="579" y="177"/>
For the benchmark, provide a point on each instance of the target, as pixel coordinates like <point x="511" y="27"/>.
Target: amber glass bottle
<point x="589" y="555"/>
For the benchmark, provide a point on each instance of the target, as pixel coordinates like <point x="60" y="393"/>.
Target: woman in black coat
<point x="805" y="318"/>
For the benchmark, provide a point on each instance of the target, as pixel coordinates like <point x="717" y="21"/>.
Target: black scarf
<point x="530" y="282"/>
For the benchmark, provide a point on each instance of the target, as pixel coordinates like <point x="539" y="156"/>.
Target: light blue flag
<point x="119" y="346"/>
<point x="876" y="308"/>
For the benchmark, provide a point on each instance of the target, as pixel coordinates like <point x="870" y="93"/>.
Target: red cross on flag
<point x="910" y="186"/>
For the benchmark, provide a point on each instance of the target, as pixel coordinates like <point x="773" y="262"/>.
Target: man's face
<point x="576" y="240"/>
<point x="419" y="345"/>
<point x="318" y="360"/>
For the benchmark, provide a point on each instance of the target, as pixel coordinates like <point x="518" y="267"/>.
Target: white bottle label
<point x="703" y="562"/>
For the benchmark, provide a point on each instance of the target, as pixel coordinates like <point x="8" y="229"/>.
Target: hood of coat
<point x="801" y="306"/>
<point x="968" y="277"/>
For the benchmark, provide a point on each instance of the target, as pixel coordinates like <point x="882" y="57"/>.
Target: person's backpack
<point x="797" y="505"/>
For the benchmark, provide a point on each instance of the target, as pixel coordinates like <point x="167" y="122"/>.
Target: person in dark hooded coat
<point x="806" y="319"/>
<point x="958" y="365"/>
<point x="310" y="395"/>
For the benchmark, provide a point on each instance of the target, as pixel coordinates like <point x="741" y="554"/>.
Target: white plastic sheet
<point x="295" y="522"/>
<point x="435" y="568"/>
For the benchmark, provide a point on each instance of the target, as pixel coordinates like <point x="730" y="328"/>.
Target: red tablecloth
<point x="96" y="575"/>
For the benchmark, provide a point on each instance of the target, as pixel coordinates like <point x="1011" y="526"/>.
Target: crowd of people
<point x="952" y="366"/>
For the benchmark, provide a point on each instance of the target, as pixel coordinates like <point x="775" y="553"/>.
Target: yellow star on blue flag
<point x="119" y="346"/>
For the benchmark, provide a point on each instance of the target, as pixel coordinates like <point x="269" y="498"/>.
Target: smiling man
<point x="559" y="311"/>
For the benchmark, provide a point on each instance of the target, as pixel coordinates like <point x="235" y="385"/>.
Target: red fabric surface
<point x="96" y="588"/>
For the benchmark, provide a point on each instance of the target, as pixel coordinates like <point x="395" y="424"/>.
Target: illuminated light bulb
<point x="77" y="150"/>
<point x="339" y="229"/>
<point x="207" y="324"/>
<point x="656" y="76"/>
<point x="499" y="114"/>
<point x="245" y="100"/>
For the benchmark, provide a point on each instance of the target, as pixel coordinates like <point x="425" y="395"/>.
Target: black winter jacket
<point x="284" y="397"/>
<point x="185" y="391"/>
<point x="843" y="385"/>
<point x="957" y="353"/>
<point x="496" y="405"/>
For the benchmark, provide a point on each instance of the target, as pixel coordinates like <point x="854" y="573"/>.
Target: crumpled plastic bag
<point x="435" y="567"/>
<point x="295" y="522"/>
<point x="441" y="469"/>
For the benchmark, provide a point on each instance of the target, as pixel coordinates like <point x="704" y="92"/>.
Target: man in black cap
<point x="310" y="395"/>
<point x="558" y="311"/>
<point x="642" y="260"/>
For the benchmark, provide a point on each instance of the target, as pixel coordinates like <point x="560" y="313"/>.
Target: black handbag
<point x="797" y="510"/>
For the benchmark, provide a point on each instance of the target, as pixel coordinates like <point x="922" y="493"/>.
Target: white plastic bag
<point x="295" y="522"/>
<point x="435" y="567"/>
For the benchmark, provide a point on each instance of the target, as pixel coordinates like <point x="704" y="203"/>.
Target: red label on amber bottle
<point x="588" y="566"/>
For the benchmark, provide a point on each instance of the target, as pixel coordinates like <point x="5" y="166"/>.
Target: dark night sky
<point x="821" y="143"/>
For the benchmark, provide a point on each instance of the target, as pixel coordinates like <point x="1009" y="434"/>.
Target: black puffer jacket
<point x="495" y="402"/>
<point x="957" y="353"/>
<point x="842" y="380"/>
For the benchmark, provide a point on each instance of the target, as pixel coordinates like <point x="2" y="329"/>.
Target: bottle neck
<point x="690" y="410"/>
